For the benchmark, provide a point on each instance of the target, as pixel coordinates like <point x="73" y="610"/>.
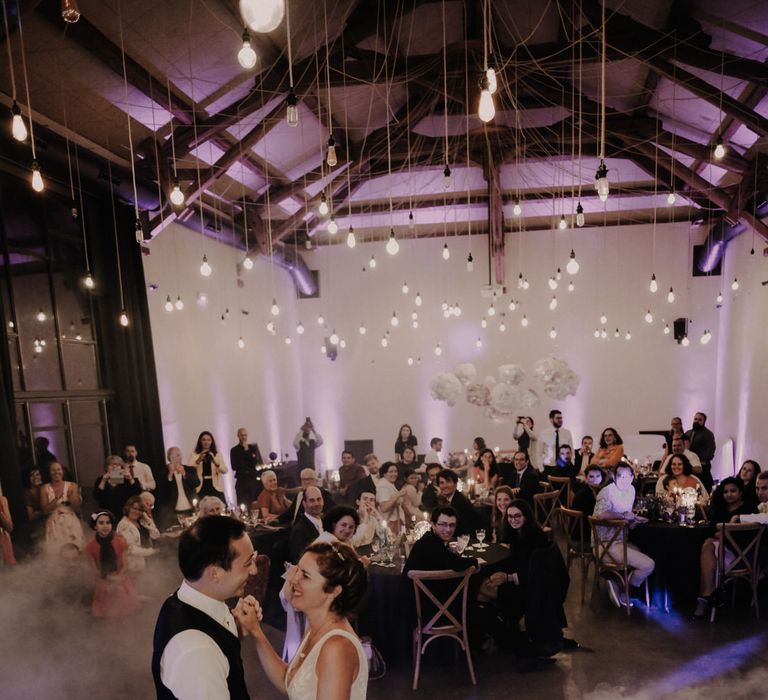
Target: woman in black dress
<point x="405" y="438"/>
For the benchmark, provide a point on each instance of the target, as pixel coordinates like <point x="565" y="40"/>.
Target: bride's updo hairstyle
<point x="340" y="566"/>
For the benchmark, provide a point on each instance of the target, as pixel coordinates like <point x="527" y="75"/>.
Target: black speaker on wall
<point x="680" y="328"/>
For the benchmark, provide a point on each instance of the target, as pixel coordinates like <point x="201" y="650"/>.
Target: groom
<point x="196" y="651"/>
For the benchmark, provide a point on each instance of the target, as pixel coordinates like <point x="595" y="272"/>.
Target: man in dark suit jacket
<point x="466" y="518"/>
<point x="308" y="525"/>
<point x="308" y="477"/>
<point x="582" y="457"/>
<point x="525" y="478"/>
<point x="430" y="496"/>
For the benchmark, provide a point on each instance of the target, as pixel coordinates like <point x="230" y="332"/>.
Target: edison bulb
<point x="666" y="329"/>
<point x="322" y="208"/>
<point x="248" y="263"/>
<point x="601" y="181"/>
<point x="274" y="309"/>
<point x="562" y="224"/>
<point x="490" y="76"/>
<point x="517" y="209"/>
<point x="579" y="215"/>
<point x="262" y="15"/>
<point x="438" y="350"/>
<point x="270" y="326"/>
<point x="446" y="252"/>
<point x="334" y="337"/>
<point x="410" y="361"/>
<point x="571" y="286"/>
<point x="483" y="323"/>
<point x="331" y="158"/>
<point x="457" y="310"/>
<point x="362" y="330"/>
<point x="292" y="109"/>
<point x="706" y="337"/>
<point x="179" y="304"/>
<point x="671" y="295"/>
<point x="333" y="227"/>
<point x="719" y="298"/>
<point x="18" y="127"/>
<point x="553" y="304"/>
<point x="351" y="240"/>
<point x="168" y="304"/>
<point x="288" y="341"/>
<point x="478" y="343"/>
<point x="405" y="288"/>
<point x="246" y="56"/>
<point x="648" y="316"/>
<point x="320" y="320"/>
<point x="526" y="284"/>
<point x="735" y="284"/>
<point x="241" y="343"/>
<point x="205" y="268"/>
<point x="553" y="333"/>
<point x="418" y="300"/>
<point x="447" y="178"/>
<point x="124" y="319"/>
<point x="470" y="263"/>
<point x="603" y="319"/>
<point x="573" y="266"/>
<point x="486" y="110"/>
<point x="491" y="310"/>
<point x="671" y="198"/>
<point x="300" y="328"/>
<point x="372" y="263"/>
<point x="603" y="334"/>
<point x="654" y="285"/>
<point x="524" y="321"/>
<point x="685" y="342"/>
<point x="392" y="245"/>
<point x="628" y="336"/>
<point x="37" y="178"/>
<point x="394" y="321"/>
<point x="597" y="333"/>
<point x="512" y="305"/>
<point x="411" y="221"/>
<point x="502" y="327"/>
<point x="384" y="342"/>
<point x="41" y="316"/>
<point x="88" y="281"/>
<point x="719" y="150"/>
<point x="552" y="283"/>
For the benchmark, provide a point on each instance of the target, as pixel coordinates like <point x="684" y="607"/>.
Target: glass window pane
<point x="85" y="412"/>
<point x="73" y="306"/>
<point x="13" y="354"/>
<point x="80" y="371"/>
<point x="90" y="451"/>
<point x="48" y="422"/>
<point x="23" y="443"/>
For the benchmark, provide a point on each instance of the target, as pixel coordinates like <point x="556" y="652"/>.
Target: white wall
<point x="207" y="383"/>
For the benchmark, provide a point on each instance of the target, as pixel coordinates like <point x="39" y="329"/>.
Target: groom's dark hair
<point x="208" y="543"/>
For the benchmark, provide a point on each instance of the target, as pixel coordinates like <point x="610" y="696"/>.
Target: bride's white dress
<point x="303" y="684"/>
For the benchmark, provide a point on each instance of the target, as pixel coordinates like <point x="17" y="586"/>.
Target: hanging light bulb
<point x="320" y="320"/>
<point x="418" y="300"/>
<point x="719" y="298"/>
<point x="70" y="12"/>
<point x="603" y="319"/>
<point x="323" y="208"/>
<point x="392" y="245"/>
<point x="202" y="299"/>
<point x="628" y="336"/>
<point x="41" y="316"/>
<point x="558" y="274"/>
<point x="562" y="224"/>
<point x="524" y="321"/>
<point x="123" y="319"/>
<point x="262" y="15"/>
<point x="654" y="285"/>
<point x="241" y="343"/>
<point x="334" y="337"/>
<point x="205" y="268"/>
<point x="411" y="221"/>
<point x="719" y="151"/>
<point x="333" y="227"/>
<point x="648" y="316"/>
<point x="246" y="56"/>
<point x="491" y="310"/>
<point x="176" y="196"/>
<point x="404" y="288"/>
<point x="601" y="181"/>
<point x="478" y="343"/>
<point x="517" y="209"/>
<point x="597" y="333"/>
<point x="342" y="343"/>
<point x="248" y="263"/>
<point x="168" y="304"/>
<point x="502" y="326"/>
<point x="351" y="240"/>
<point x="447" y="177"/>
<point x="616" y="333"/>
<point x="410" y="362"/>
<point x="603" y="334"/>
<point x="447" y="313"/>
<point x="552" y="283"/>
<point x="671" y="197"/>
<point x="526" y="284"/>
<point x="553" y="333"/>
<point x="394" y="321"/>
<point x="414" y="315"/>
<point x="706" y="337"/>
<point x="139" y="232"/>
<point x="490" y="76"/>
<point x="362" y="330"/>
<point x="372" y="263"/>
<point x="300" y="328"/>
<point x="573" y="266"/>
<point x="323" y="350"/>
<point x="292" y="109"/>
<point x="18" y="127"/>
<point x="735" y="284"/>
<point x="288" y="341"/>
<point x="438" y="350"/>
<point x="553" y="304"/>
<point x="331" y="156"/>
<point x="415" y="324"/>
<point x="470" y="263"/>
<point x="671" y="295"/>
<point x="666" y="329"/>
<point x="270" y="325"/>
<point x="37" y="178"/>
<point x="483" y="323"/>
<point x="512" y="305"/>
<point x="274" y="309"/>
<point x="446" y="252"/>
<point x="571" y="286"/>
<point x="486" y="110"/>
<point x="520" y="281"/>
<point x="685" y="342"/>
<point x="457" y="310"/>
<point x="579" y="215"/>
<point x="384" y="342"/>
<point x="88" y="281"/>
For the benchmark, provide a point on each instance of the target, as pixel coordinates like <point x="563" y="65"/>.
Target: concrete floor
<point x="52" y="648"/>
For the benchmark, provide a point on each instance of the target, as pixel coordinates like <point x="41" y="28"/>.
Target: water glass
<point x="480" y="534"/>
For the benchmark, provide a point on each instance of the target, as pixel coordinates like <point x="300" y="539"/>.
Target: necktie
<point x="557" y="445"/>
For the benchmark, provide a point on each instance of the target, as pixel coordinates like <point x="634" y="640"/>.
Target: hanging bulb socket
<point x="168" y="304"/>
<point x="579" y="215"/>
<point x="70" y="12"/>
<point x="176" y="196"/>
<point x="205" y="268"/>
<point x="447" y="177"/>
<point x="331" y="158"/>
<point x="719" y="151"/>
<point x="37" y="177"/>
<point x="573" y="265"/>
<point x="654" y="285"/>
<point x="470" y="263"/>
<point x="292" y="109"/>
<point x="517" y="209"/>
<point x="139" y="232"/>
<point x="392" y="245"/>
<point x="601" y="181"/>
<point x="446" y="252"/>
<point x="411" y="221"/>
<point x="562" y="224"/>
<point x="351" y="240"/>
<point x="246" y="57"/>
<point x="88" y="281"/>
<point x="323" y="208"/>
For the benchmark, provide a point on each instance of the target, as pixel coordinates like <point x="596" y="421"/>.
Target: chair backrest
<point x="545" y="505"/>
<point x="562" y="484"/>
<point x="605" y="534"/>
<point x="443" y="606"/>
<point x="546" y="486"/>
<point x="573" y="524"/>
<point x="743" y="540"/>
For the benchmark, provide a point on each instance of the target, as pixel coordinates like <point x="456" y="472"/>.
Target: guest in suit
<point x="244" y="458"/>
<point x="308" y="526"/>
<point x="307" y="477"/>
<point x="367" y="483"/>
<point x="177" y="491"/>
<point x="431" y="494"/>
<point x="525" y="478"/>
<point x="466" y="520"/>
<point x="583" y="456"/>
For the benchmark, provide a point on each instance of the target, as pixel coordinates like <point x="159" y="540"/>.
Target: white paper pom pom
<point x="446" y="387"/>
<point x="511" y="374"/>
<point x="465" y="372"/>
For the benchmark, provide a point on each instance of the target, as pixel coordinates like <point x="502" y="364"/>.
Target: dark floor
<point x="51" y="648"/>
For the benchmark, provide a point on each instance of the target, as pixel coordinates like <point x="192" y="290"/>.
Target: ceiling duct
<point x="720" y="235"/>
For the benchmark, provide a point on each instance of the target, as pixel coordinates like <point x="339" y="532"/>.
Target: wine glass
<point x="375" y="550"/>
<point x="480" y="534"/>
<point x="461" y="543"/>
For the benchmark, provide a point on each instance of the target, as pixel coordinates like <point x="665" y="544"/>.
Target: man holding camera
<point x="305" y="443"/>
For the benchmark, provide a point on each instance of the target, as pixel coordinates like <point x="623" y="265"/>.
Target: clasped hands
<point x="248" y="614"/>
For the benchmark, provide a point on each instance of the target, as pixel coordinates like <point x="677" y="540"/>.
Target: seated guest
<point x="586" y="496"/>
<point x="307" y="526"/>
<point x="140" y="470"/>
<point x="611" y="450"/>
<point x="349" y="473"/>
<point x="502" y="497"/>
<point x="405" y="438"/>
<point x="210" y="466"/>
<point x="370" y="519"/>
<point x="531" y="581"/>
<point x="583" y="457"/>
<point x="307" y="477"/>
<point x="35" y="514"/>
<point x="466" y="520"/>
<point x="430" y="494"/>
<point x="434" y="455"/>
<point x="411" y="491"/>
<point x="678" y="448"/>
<point x="681" y="470"/>
<point x="726" y="506"/>
<point x="114" y="594"/>
<point x="210" y="505"/>
<point x="132" y="529"/>
<point x="524" y="477"/>
<point x="564" y="465"/>
<point x="115" y="486"/>
<point x="614" y="502"/>
<point x="748" y="474"/>
<point x="147" y="500"/>
<point x="177" y="490"/>
<point x="488" y="471"/>
<point x="6" y="528"/>
<point x="390" y="498"/>
<point x="339" y="525"/>
<point x="272" y="501"/>
<point x="368" y="482"/>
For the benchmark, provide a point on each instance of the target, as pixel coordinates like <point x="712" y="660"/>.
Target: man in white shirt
<point x="140" y="471"/>
<point x="678" y="448"/>
<point x="614" y="502"/>
<point x="196" y="651"/>
<point x="551" y="439"/>
<point x="434" y="455"/>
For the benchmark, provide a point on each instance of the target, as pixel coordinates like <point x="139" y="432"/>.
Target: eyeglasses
<point x="515" y="516"/>
<point x="445" y="525"/>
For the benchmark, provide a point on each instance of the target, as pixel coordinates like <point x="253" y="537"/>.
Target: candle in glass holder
<point x="194" y="503"/>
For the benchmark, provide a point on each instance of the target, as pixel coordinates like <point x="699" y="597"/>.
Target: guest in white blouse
<point x="371" y="520"/>
<point x="389" y="497"/>
<point x="136" y="534"/>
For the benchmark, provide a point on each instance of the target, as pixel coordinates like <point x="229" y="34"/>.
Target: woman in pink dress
<point x="114" y="594"/>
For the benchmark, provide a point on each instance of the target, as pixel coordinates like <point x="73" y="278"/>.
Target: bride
<point x="327" y="585"/>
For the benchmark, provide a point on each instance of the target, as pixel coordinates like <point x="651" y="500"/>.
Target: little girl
<point x="114" y="594"/>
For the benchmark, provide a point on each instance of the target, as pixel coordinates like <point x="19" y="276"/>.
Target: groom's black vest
<point x="176" y="617"/>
